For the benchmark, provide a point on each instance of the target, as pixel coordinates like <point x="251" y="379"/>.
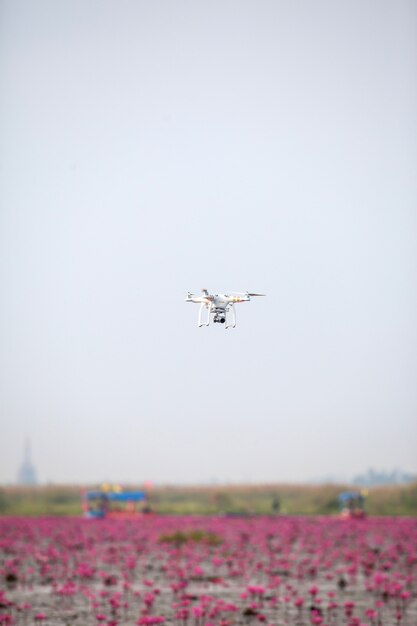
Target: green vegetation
<point x="192" y="536"/>
<point x="36" y="501"/>
<point x="209" y="500"/>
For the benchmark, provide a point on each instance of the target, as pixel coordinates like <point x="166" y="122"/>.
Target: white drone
<point x="219" y="305"/>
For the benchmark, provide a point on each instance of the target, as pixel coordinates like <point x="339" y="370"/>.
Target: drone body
<point x="220" y="305"/>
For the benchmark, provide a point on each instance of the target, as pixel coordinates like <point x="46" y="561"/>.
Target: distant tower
<point x="27" y="472"/>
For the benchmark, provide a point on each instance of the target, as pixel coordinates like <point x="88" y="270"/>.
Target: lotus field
<point x="199" y="571"/>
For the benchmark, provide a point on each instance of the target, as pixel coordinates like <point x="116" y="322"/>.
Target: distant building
<point x="27" y="471"/>
<point x="374" y="478"/>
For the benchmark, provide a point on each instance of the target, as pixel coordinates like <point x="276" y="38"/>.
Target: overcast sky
<point x="153" y="147"/>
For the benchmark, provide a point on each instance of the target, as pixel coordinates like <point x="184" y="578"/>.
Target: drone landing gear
<point x="233" y="316"/>
<point x="208" y="308"/>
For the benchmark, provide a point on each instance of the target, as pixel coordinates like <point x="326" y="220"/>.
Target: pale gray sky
<point x="153" y="147"/>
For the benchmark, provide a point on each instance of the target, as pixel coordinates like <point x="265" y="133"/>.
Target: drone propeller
<point x="246" y="293"/>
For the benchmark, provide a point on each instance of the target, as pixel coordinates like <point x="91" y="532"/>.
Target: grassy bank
<point x="259" y="499"/>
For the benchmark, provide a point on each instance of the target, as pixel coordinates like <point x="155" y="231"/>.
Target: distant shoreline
<point x="262" y="499"/>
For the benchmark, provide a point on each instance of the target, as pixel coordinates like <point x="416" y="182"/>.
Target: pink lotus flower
<point x="114" y="568"/>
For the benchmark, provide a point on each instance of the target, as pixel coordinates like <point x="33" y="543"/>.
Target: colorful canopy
<point x="350" y="495"/>
<point x="126" y="496"/>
